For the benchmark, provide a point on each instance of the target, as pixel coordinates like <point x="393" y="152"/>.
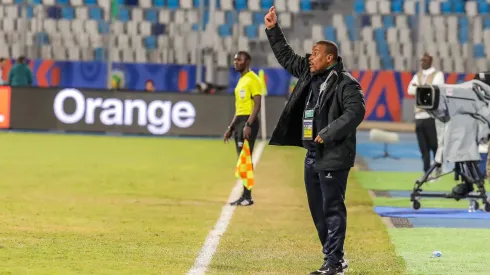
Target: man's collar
<point x="331" y="66"/>
<point x="429" y="70"/>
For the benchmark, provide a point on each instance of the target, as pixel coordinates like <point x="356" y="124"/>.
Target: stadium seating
<point x="375" y="34"/>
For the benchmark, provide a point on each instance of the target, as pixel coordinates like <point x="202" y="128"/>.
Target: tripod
<point x="386" y="154"/>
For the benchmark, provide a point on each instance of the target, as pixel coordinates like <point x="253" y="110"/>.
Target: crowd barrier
<point x="85" y="110"/>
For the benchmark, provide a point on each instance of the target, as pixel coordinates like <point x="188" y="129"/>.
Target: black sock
<point x="247" y="193"/>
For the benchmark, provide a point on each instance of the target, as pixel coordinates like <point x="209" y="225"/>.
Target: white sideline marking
<point x="207" y="251"/>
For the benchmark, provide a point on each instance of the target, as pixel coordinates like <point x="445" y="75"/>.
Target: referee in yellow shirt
<point x="245" y="123"/>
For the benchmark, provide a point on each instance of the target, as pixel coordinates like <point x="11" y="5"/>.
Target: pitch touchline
<point x="207" y="251"/>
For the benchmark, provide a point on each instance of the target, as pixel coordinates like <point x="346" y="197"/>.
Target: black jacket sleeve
<point x="354" y="111"/>
<point x="293" y="63"/>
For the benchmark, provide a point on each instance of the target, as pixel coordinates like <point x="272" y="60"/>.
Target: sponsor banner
<point x="127" y="112"/>
<point x="4" y="107"/>
<point x="385" y="91"/>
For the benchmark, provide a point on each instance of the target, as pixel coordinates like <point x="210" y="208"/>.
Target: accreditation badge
<point x="308" y="124"/>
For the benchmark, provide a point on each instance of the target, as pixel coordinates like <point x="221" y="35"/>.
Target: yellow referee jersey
<point x="248" y="86"/>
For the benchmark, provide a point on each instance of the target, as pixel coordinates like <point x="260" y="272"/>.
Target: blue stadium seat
<point x="258" y="18"/>
<point x="411" y="21"/>
<point x="54" y="12"/>
<point x="173" y="4"/>
<point x="42" y="38"/>
<point x="90" y="2"/>
<point x="330" y="33"/>
<point x="30" y="12"/>
<point x="68" y="13"/>
<point x="95" y="13"/>
<point x="365" y="21"/>
<point x="350" y="22"/>
<point x="266" y="4"/>
<point x="458" y="7"/>
<point x="36" y="2"/>
<point x="206" y="17"/>
<point x="150" y="42"/>
<point x="483" y="7"/>
<point x="486" y="23"/>
<point x="229" y="18"/>
<point x="63" y="2"/>
<point x="379" y="35"/>
<point x="99" y="54"/>
<point x="151" y="15"/>
<point x="195" y="27"/>
<point x="463" y="35"/>
<point x="241" y="4"/>
<point x="479" y="51"/>
<point x="359" y="6"/>
<point x="251" y="31"/>
<point x="103" y="27"/>
<point x="382" y="49"/>
<point x="133" y="3"/>
<point x="388" y="21"/>
<point x="446" y="7"/>
<point x="463" y="22"/>
<point x="159" y="3"/>
<point x="224" y="30"/>
<point x="387" y="63"/>
<point x="396" y="6"/>
<point x="124" y="14"/>
<point x="305" y="5"/>
<point x="158" y="29"/>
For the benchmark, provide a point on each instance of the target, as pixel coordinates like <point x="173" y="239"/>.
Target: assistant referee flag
<point x="244" y="167"/>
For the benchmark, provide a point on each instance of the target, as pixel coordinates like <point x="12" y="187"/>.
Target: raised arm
<point x="293" y="63"/>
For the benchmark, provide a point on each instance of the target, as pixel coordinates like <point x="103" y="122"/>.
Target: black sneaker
<point x="344" y="264"/>
<point x="327" y="269"/>
<point x="243" y="202"/>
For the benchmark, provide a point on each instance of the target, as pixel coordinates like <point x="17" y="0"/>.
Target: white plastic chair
<point x="186" y="4"/>
<point x="471" y="8"/>
<point x="435" y="7"/>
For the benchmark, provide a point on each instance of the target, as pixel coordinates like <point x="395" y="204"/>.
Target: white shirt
<point x="438" y="79"/>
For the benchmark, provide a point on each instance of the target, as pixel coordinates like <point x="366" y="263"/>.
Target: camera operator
<point x="429" y="131"/>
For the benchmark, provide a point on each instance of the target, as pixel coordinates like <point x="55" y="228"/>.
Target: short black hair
<point x="2" y="59"/>
<point x="330" y="47"/>
<point x="246" y="55"/>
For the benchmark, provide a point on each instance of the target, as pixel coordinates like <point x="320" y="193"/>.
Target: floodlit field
<point x="112" y="205"/>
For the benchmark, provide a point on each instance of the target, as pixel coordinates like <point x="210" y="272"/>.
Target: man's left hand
<point x="318" y="139"/>
<point x="247" y="131"/>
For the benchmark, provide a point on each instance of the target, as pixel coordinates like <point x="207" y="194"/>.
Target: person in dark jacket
<point x="321" y="115"/>
<point x="20" y="74"/>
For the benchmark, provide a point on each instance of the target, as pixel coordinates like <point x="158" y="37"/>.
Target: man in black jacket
<point x="321" y="115"/>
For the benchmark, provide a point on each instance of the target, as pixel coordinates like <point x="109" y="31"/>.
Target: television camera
<point x="465" y="110"/>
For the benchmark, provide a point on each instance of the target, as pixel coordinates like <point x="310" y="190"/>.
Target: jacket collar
<point x="339" y="66"/>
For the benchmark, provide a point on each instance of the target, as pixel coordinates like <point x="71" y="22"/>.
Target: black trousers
<point x="427" y="139"/>
<point x="238" y="134"/>
<point x="326" y="198"/>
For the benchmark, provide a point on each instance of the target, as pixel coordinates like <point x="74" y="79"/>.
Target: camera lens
<point x="424" y="97"/>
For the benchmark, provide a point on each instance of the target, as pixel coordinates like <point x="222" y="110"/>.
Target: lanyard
<point x="308" y="101"/>
<point x="317" y="104"/>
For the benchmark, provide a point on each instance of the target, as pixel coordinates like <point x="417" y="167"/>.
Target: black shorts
<point x="238" y="133"/>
